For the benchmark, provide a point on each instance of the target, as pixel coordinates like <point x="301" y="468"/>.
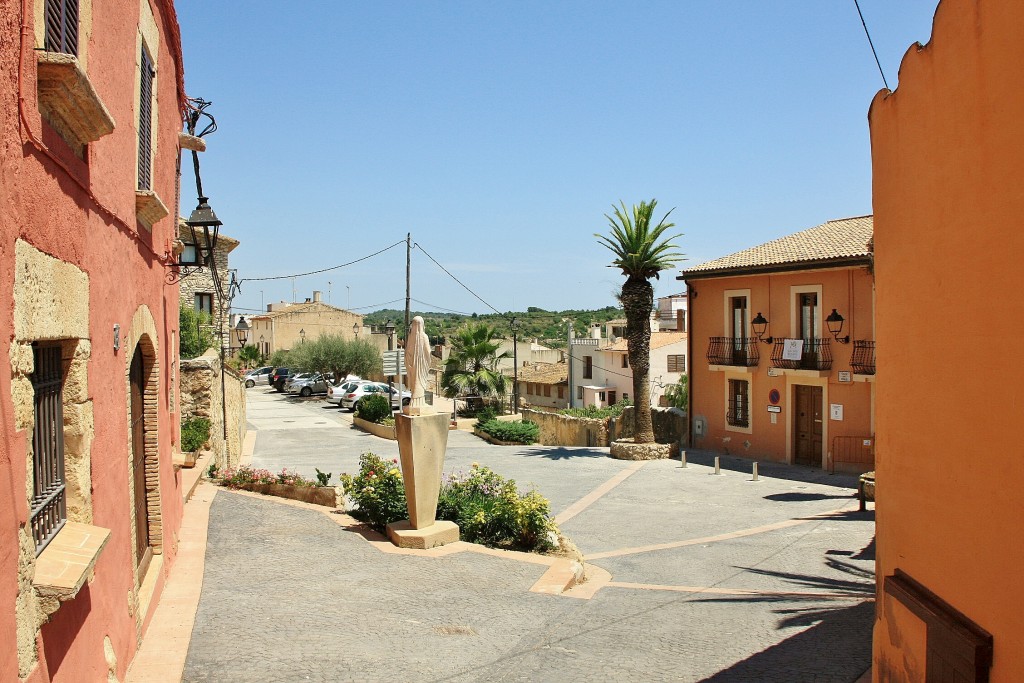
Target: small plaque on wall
<point x="774" y="409"/>
<point x="836" y="411"/>
<point x="773" y="372"/>
<point x="845" y="376"/>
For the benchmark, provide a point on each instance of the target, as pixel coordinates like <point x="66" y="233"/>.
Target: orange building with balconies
<point x="782" y="347"/>
<point x="946" y="152"/>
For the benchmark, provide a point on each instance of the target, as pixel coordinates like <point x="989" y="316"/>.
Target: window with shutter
<point x="62" y="26"/>
<point x="146" y="122"/>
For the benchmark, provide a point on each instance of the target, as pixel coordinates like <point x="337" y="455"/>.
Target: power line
<point x="420" y="247"/>
<point x="322" y="270"/>
<point x="442" y="308"/>
<point x="864" y="24"/>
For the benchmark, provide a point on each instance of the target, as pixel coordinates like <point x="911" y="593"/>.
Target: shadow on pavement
<point x="775" y="470"/>
<point x="552" y="453"/>
<point x="811" y="654"/>
<point x="797" y="497"/>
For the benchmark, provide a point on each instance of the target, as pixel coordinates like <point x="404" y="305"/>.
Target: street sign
<point x="394" y="363"/>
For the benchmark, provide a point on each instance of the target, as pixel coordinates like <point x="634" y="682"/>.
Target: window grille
<point x="62" y="26"/>
<point x="49" y="506"/>
<point x="146" y="122"/>
<point x="738" y="413"/>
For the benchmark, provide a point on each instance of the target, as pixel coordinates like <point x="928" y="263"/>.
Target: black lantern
<point x="355" y="330"/>
<point x="760" y="326"/>
<point x="835" y="326"/>
<point x="242" y="330"/>
<point x="302" y="334"/>
<point x="204" y="221"/>
<point x="389" y="329"/>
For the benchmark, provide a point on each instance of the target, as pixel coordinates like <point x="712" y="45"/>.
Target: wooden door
<point x="136" y="375"/>
<point x="807" y="425"/>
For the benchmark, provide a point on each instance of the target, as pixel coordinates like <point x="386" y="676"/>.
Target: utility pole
<point x="408" y="275"/>
<point x="515" y="365"/>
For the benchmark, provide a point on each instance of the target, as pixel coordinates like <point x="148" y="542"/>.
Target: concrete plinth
<point x="404" y="535"/>
<point x="422" y="440"/>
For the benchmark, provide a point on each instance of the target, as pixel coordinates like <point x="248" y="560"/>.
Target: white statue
<point x="417" y="362"/>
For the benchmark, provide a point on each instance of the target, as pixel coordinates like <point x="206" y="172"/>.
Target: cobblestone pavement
<point x="712" y="577"/>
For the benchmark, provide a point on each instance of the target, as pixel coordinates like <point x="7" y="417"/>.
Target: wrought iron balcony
<point x="863" y="361"/>
<point x="817" y="355"/>
<point x="741" y="351"/>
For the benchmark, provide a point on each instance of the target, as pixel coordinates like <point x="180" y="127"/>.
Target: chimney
<point x="595" y="331"/>
<point x="316" y="296"/>
<point x="681" y="320"/>
<point x="307" y="300"/>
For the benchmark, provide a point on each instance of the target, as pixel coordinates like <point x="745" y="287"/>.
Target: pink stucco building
<point x="91" y="501"/>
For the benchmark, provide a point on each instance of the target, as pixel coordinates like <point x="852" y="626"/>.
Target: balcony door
<point x="738" y="331"/>
<point x="807" y="425"/>
<point x="808" y="329"/>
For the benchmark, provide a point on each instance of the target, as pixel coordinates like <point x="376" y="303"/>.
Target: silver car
<point x="336" y="391"/>
<point x="307" y="386"/>
<point x="254" y="376"/>
<point x="290" y="382"/>
<point x="350" y="399"/>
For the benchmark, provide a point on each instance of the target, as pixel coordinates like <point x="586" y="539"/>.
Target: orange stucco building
<point x="948" y="161"/>
<point x="768" y="379"/>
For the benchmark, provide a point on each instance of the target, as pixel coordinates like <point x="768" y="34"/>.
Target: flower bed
<point x="285" y="484"/>
<point x="488" y="508"/>
<point x="384" y="431"/>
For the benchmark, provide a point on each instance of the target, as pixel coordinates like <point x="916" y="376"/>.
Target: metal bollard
<point x="718" y="469"/>
<point x="755" y="472"/>
<point x="683" y="455"/>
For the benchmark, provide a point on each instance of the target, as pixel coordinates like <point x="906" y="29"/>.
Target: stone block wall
<point x="670" y="425"/>
<point x="564" y="430"/>
<point x="201" y="397"/>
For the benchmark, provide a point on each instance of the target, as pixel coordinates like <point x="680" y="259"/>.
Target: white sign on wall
<point x="836" y="411"/>
<point x="792" y="349"/>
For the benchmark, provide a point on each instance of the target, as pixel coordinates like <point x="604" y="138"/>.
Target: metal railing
<point x="817" y="355"/>
<point x="738" y="414"/>
<point x="49" y="509"/>
<point x="863" y="360"/>
<point x="740" y="351"/>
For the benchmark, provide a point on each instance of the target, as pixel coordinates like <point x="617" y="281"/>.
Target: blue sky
<point x="499" y="134"/>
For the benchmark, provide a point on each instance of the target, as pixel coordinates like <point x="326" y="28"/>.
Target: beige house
<point x="544" y="385"/>
<point x="197" y="288"/>
<point x="284" y="325"/>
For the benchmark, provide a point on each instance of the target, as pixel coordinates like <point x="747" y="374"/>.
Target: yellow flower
<point x="393" y="471"/>
<point x="475" y="465"/>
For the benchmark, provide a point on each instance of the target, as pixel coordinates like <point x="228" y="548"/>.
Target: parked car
<point x="307" y="386"/>
<point x="350" y="399"/>
<point x="254" y="376"/>
<point x="336" y="391"/>
<point x="278" y="377"/>
<point x="292" y="379"/>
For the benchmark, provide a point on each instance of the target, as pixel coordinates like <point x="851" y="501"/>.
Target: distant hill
<point x="548" y="326"/>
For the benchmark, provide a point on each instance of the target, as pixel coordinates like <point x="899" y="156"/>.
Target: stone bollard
<point x="755" y="472"/>
<point x="718" y="469"/>
<point x="682" y="455"/>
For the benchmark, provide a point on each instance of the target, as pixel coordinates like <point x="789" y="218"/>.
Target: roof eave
<point x="846" y="261"/>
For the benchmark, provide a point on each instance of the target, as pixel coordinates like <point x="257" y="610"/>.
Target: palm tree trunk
<point x="638" y="301"/>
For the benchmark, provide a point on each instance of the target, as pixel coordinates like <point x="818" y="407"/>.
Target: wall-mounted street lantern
<point x="760" y="326"/>
<point x="302" y="334"/>
<point x="242" y="330"/>
<point x="835" y="326"/>
<point x="389" y="329"/>
<point x="355" y="330"/>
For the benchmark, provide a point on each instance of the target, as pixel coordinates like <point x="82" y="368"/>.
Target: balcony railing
<point x="741" y="351"/>
<point x="863" y="361"/>
<point x="816" y="355"/>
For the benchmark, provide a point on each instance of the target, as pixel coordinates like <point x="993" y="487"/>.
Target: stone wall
<point x="564" y="430"/>
<point x="670" y="425"/>
<point x="201" y="397"/>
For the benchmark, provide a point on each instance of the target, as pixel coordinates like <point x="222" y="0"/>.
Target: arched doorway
<point x="137" y="376"/>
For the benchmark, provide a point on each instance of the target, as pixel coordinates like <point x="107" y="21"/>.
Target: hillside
<point x="551" y="327"/>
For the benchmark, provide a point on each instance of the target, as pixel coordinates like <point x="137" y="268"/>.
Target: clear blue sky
<point x="500" y="133"/>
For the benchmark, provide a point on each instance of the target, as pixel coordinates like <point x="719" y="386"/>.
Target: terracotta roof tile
<point x="840" y="239"/>
<point x="544" y="373"/>
<point x="658" y="339"/>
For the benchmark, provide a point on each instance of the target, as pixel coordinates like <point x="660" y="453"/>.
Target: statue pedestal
<point x="422" y="440"/>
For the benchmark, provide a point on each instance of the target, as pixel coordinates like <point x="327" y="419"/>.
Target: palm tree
<point x="642" y="253"/>
<point x="472" y="367"/>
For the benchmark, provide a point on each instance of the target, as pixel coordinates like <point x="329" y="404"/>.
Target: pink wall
<point x="84" y="214"/>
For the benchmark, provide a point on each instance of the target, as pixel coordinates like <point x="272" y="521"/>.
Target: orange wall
<point x="947" y="151"/>
<point x="849" y="290"/>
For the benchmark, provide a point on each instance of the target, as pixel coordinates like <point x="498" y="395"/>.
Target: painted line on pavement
<point x="720" y="537"/>
<point x="595" y="495"/>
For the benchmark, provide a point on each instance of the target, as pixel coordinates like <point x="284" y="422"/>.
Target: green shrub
<point x="491" y="511"/>
<point x="595" y="413"/>
<point x="195" y="431"/>
<point x="377" y="491"/>
<point x="516" y="432"/>
<point x="374" y="408"/>
<point x="485" y="415"/>
<point x="322" y="478"/>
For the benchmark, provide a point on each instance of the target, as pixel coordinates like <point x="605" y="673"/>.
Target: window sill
<point x="68" y="100"/>
<point x="67" y="562"/>
<point x="779" y="372"/>
<point x="148" y="207"/>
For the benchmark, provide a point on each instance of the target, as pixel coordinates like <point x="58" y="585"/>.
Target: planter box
<point x="317" y="495"/>
<point x="382" y="431"/>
